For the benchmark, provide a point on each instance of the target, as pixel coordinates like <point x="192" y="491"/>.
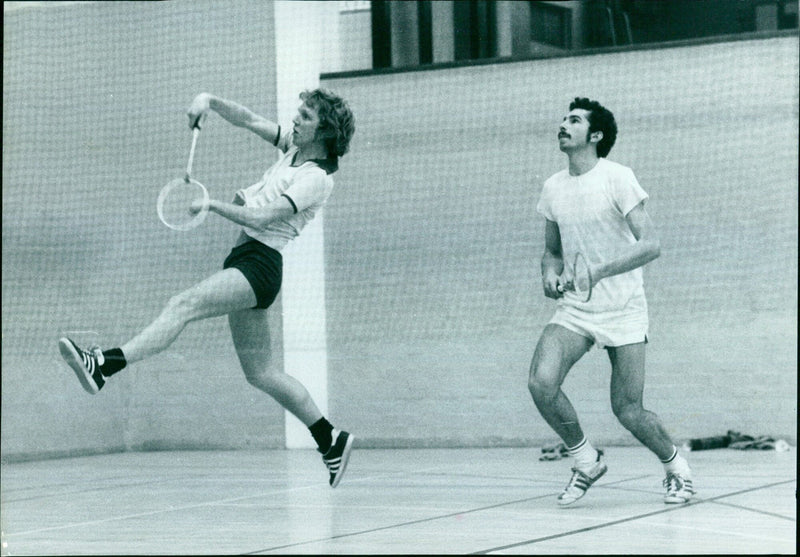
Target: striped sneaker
<point x="582" y="480"/>
<point x="85" y="363"/>
<point x="336" y="457"/>
<point x="679" y="488"/>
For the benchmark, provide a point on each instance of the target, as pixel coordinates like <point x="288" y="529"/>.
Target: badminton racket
<point x="175" y="201"/>
<point x="580" y="281"/>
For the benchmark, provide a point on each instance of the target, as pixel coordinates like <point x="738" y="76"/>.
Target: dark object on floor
<point x="736" y="440"/>
<point x="554" y="452"/>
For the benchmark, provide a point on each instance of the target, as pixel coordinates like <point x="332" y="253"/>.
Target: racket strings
<point x="176" y="200"/>
<point x="183" y="203"/>
<point x="582" y="279"/>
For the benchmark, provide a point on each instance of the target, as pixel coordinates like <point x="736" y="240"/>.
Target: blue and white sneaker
<point x="85" y="363"/>
<point x="337" y="456"/>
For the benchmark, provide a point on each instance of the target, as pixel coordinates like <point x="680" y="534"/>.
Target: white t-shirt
<point x="590" y="211"/>
<point x="306" y="186"/>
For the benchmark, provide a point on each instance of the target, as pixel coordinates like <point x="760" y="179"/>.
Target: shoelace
<point x="97" y="352"/>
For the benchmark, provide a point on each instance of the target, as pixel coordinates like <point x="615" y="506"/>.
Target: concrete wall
<point x="433" y="244"/>
<point x="94" y="101"/>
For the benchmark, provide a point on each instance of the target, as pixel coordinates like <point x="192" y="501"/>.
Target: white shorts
<point x="628" y="325"/>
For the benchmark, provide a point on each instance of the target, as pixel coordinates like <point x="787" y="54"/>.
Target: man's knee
<point x="542" y="383"/>
<point x="183" y="305"/>
<point x="262" y="380"/>
<point x="629" y="413"/>
<point x="257" y="366"/>
<point x="257" y="380"/>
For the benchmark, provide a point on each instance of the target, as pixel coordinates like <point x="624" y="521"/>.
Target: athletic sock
<point x="676" y="463"/>
<point x="114" y="362"/>
<point x="322" y="432"/>
<point x="584" y="454"/>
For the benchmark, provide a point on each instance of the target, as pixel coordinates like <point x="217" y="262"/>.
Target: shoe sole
<point x="600" y="475"/>
<point x="678" y="501"/>
<point x="345" y="458"/>
<point x="75" y="362"/>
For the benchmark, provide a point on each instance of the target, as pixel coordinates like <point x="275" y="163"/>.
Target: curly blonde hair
<point x="336" y="122"/>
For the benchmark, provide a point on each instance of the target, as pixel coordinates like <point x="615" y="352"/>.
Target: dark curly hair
<point x="336" y="122"/>
<point x="600" y="120"/>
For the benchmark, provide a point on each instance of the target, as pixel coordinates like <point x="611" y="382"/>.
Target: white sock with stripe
<point x="584" y="454"/>
<point x="676" y="463"/>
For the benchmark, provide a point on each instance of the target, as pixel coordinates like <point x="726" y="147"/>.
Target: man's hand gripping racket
<point x="183" y="203"/>
<point x="578" y="279"/>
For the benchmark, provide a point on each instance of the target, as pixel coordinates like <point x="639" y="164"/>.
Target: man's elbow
<point x="551" y="252"/>
<point x="268" y="216"/>
<point x="655" y="249"/>
<point x="259" y="220"/>
<point x="263" y="224"/>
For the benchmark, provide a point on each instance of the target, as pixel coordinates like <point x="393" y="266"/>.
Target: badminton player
<point x="596" y="207"/>
<point x="270" y="213"/>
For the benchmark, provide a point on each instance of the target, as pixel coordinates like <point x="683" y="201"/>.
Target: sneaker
<point x="85" y="363"/>
<point x="582" y="480"/>
<point x="679" y="488"/>
<point x="336" y="457"/>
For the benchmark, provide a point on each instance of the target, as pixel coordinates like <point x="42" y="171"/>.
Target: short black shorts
<point x="262" y="266"/>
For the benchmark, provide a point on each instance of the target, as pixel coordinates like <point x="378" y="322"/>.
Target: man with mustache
<point x="596" y="207"/>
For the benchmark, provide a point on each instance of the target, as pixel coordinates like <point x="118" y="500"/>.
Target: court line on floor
<point x="224" y="501"/>
<point x="59" y="494"/>
<point x="421" y="520"/>
<point x="627" y="519"/>
<point x="757" y="511"/>
<point x="737" y="532"/>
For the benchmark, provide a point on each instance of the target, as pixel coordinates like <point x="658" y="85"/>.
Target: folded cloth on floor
<point x="739" y="441"/>
<point x="745" y="442"/>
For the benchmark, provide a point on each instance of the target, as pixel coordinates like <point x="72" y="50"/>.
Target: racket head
<point x="582" y="278"/>
<point x="174" y="202"/>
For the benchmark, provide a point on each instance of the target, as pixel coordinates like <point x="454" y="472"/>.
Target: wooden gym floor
<point x="452" y="501"/>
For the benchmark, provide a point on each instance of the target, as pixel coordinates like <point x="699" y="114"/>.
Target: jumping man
<point x="271" y="213"/>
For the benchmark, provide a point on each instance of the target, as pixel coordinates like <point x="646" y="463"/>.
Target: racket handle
<point x="195" y="133"/>
<point x="199" y="121"/>
<point x="561" y="288"/>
